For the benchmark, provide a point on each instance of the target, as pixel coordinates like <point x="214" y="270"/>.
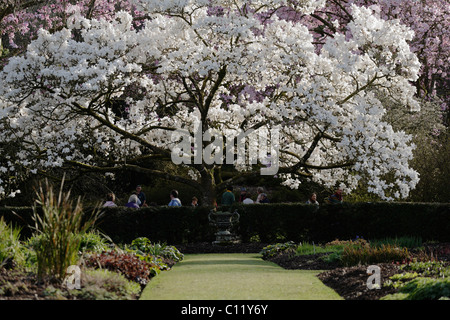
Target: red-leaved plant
<point x="128" y="264"/>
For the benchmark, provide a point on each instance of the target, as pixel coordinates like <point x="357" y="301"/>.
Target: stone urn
<point x="224" y="220"/>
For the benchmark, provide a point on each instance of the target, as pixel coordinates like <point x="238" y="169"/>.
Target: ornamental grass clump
<point x="10" y="246"/>
<point x="59" y="225"/>
<point x="365" y="254"/>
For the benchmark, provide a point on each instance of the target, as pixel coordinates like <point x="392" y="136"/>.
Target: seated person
<point x="174" y="201"/>
<point x="264" y="198"/>
<point x="110" y="198"/>
<point x="336" y="197"/>
<point x="247" y="199"/>
<point x="133" y="202"/>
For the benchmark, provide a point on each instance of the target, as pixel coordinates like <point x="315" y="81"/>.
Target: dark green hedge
<point x="271" y="222"/>
<point x="300" y="222"/>
<point x="122" y="225"/>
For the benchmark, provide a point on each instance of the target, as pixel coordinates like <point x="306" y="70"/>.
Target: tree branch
<point x="123" y="132"/>
<point x="171" y="177"/>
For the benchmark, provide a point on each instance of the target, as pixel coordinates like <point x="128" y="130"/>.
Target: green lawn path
<point x="235" y="277"/>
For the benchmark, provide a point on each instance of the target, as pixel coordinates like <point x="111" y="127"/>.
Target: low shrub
<point x="128" y="264"/>
<point x="365" y="254"/>
<point x="422" y="289"/>
<point x="97" y="285"/>
<point x="106" y="285"/>
<point x="274" y="249"/>
<point x="336" y="248"/>
<point x="423" y="280"/>
<point x="428" y="268"/>
<point x="306" y="248"/>
<point x="337" y="244"/>
<point x="400" y="279"/>
<point x="93" y="241"/>
<point x="172" y="253"/>
<point x="144" y="246"/>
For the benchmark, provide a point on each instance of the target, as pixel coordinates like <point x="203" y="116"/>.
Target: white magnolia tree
<point x="100" y="95"/>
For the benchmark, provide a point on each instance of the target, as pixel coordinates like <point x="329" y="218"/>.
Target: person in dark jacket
<point x="228" y="196"/>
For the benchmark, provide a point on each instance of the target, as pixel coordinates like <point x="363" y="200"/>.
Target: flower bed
<point x="421" y="273"/>
<point x="107" y="272"/>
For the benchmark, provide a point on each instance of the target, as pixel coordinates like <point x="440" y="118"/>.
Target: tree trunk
<point x="208" y="187"/>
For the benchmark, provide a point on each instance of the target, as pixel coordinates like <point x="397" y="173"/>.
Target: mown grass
<point x="235" y="277"/>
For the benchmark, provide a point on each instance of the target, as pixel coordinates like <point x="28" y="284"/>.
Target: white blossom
<point x="58" y="94"/>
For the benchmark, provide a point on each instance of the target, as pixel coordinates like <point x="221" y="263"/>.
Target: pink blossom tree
<point x="20" y="20"/>
<point x="430" y="20"/>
